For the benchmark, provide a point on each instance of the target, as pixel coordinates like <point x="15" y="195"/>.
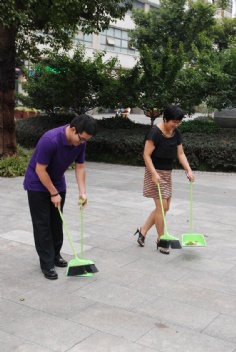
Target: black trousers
<point x="47" y="226"/>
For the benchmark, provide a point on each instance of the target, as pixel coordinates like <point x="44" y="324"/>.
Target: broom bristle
<point x="175" y="245"/>
<point x="91" y="268"/>
<point x="164" y="243"/>
<point x="76" y="270"/>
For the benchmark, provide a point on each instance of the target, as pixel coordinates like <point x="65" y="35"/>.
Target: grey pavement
<point x="140" y="300"/>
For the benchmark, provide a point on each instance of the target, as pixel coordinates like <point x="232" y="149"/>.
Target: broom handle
<point x="162" y="208"/>
<point x="191" y="207"/>
<point x="81" y="231"/>
<point x="67" y="232"/>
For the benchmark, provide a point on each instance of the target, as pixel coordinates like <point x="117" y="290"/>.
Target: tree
<point x="28" y="25"/>
<point x="73" y="83"/>
<point x="225" y="33"/>
<point x="172" y="42"/>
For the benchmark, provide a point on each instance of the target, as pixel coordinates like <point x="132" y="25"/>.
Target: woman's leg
<point x="159" y="222"/>
<point x="149" y="223"/>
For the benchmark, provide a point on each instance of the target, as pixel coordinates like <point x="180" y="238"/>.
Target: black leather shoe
<point x="60" y="262"/>
<point x="50" y="274"/>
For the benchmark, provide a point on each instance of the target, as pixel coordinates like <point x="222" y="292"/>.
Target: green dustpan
<point x="167" y="240"/>
<point x="192" y="240"/>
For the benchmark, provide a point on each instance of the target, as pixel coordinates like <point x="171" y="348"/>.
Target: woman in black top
<point x="163" y="144"/>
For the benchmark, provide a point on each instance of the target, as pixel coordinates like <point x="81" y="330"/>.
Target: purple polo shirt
<point x="54" y="151"/>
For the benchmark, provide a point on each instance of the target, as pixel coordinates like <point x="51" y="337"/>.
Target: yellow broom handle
<point x="162" y="208"/>
<point x="67" y="232"/>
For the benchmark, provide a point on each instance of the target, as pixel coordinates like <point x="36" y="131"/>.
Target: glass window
<point x="103" y="39"/>
<point x="85" y="39"/>
<point x="118" y="42"/>
<point x="110" y="31"/>
<point x="88" y="38"/>
<point x="125" y="35"/>
<point x="79" y="35"/>
<point x="110" y="41"/>
<point x="124" y="44"/>
<point x="118" y="33"/>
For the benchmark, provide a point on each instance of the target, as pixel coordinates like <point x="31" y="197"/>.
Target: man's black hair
<point x="84" y="123"/>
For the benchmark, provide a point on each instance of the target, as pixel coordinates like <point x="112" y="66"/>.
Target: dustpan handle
<point x="191" y="207"/>
<point x="81" y="231"/>
<point x="67" y="232"/>
<point x="81" y="203"/>
<point x="162" y="208"/>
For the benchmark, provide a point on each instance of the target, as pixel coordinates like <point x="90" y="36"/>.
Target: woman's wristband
<point x="54" y="195"/>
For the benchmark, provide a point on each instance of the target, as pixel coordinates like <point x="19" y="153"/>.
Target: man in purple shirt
<point x="46" y="186"/>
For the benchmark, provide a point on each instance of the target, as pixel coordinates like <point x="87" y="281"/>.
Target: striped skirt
<point x="150" y="190"/>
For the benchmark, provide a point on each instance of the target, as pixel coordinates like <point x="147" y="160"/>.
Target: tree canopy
<point x="186" y="57"/>
<point x="171" y="42"/>
<point x="53" y="23"/>
<point x="29" y="27"/>
<point x="73" y="83"/>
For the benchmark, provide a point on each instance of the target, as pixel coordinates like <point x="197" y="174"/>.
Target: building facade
<point x="115" y="39"/>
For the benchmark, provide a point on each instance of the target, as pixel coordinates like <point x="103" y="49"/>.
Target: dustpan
<point x="167" y="240"/>
<point x="78" y="266"/>
<point x="191" y="239"/>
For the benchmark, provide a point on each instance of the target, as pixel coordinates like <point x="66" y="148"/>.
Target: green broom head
<point x="81" y="267"/>
<point x="167" y="241"/>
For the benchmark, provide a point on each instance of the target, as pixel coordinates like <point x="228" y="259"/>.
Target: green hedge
<point x="121" y="141"/>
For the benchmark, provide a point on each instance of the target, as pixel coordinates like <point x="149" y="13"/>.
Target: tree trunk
<point x="7" y="88"/>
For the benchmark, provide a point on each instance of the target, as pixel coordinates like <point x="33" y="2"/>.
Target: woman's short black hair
<point x="84" y="123"/>
<point x="173" y="112"/>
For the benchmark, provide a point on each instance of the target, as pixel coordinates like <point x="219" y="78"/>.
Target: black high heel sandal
<point x="141" y="238"/>
<point x="164" y="249"/>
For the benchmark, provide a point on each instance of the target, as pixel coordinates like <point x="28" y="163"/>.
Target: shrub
<point x="29" y="131"/>
<point x="15" y="165"/>
<point x="121" y="141"/>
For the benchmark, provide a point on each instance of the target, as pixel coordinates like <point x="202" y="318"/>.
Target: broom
<point x="78" y="266"/>
<point x="167" y="240"/>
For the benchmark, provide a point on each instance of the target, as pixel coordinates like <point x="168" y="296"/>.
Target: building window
<point x="115" y="39"/>
<point x="85" y="39"/>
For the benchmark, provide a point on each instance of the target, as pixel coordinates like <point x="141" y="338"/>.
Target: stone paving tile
<point x="10" y="343"/>
<point x="109" y="343"/>
<point x="48" y="331"/>
<point x="55" y="302"/>
<point x="140" y="300"/>
<point x="15" y="287"/>
<point x="32" y="347"/>
<point x="217" y="301"/>
<point x="163" y="287"/>
<point x="169" y="338"/>
<point x="115" y="295"/>
<point x="197" y="264"/>
<point x="223" y="327"/>
<point x="114" y="321"/>
<point x="11" y="311"/>
<point x="212" y="281"/>
<point x="171" y="311"/>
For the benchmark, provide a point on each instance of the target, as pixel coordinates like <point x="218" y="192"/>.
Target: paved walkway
<point x="141" y="118"/>
<point x="141" y="300"/>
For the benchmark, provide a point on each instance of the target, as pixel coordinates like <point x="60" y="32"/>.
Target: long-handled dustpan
<point x="167" y="240"/>
<point x="78" y="266"/>
<point x="192" y="239"/>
